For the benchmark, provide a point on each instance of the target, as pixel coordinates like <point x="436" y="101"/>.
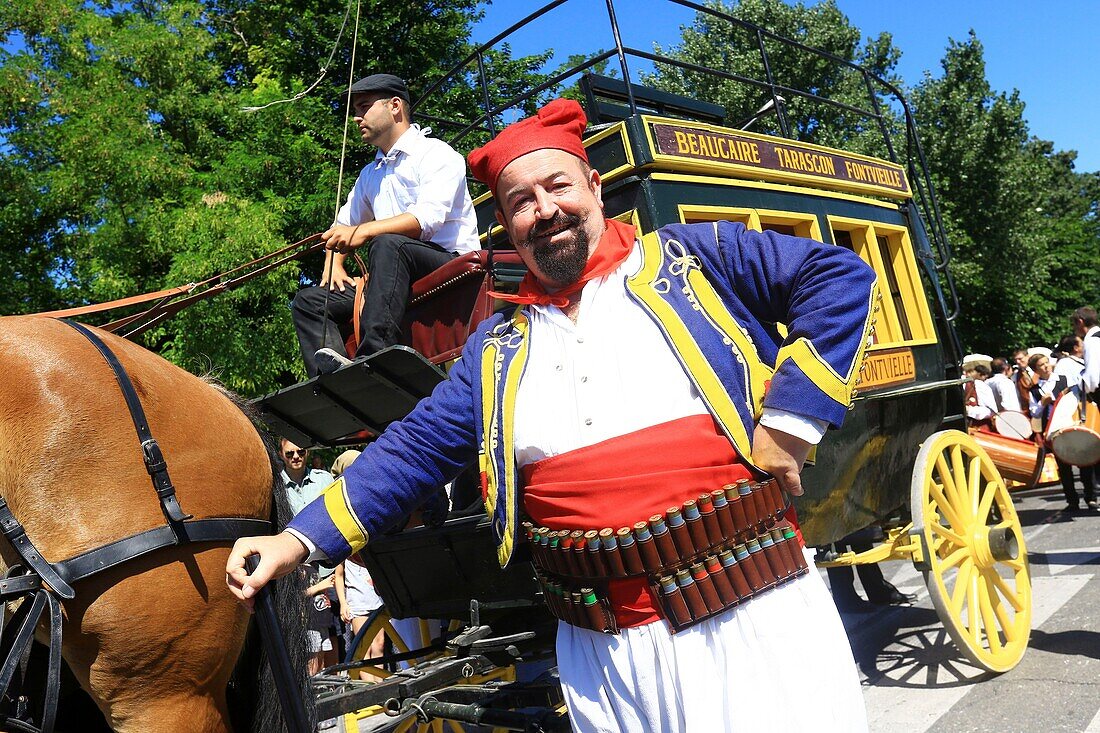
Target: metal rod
<point x="622" y="56"/>
<point x="485" y="94"/>
<point x="881" y="120"/>
<point x="784" y="126"/>
<point x="290" y="697"/>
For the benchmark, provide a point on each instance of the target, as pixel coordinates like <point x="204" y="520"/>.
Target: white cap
<point x="972" y="360"/>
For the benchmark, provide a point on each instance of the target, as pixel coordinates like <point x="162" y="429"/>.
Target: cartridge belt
<point x="699" y="559"/>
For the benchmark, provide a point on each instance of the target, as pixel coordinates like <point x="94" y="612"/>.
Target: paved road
<point x="915" y="680"/>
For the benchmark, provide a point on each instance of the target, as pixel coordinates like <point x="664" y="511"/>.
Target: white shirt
<point x="1046" y="387"/>
<point x="1004" y="393"/>
<point x="1090" y="377"/>
<point x="610" y="374"/>
<point x="1071" y="367"/>
<point x="421" y="176"/>
<point x="987" y="403"/>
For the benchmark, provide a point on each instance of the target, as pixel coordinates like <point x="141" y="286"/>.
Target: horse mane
<point x="253" y="701"/>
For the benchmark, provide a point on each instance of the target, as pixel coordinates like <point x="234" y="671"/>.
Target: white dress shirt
<point x="1090" y="377"/>
<point x="609" y="374"/>
<point x="1004" y="393"/>
<point x="421" y="176"/>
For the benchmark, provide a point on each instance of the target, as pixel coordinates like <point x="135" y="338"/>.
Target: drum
<point x="1012" y="424"/>
<point x="1074" y="437"/>
<point x="1015" y="459"/>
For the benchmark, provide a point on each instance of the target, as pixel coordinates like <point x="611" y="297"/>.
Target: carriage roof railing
<point x="915" y="162"/>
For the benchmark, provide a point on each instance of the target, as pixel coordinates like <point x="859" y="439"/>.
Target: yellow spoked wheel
<point x="976" y="566"/>
<point x="409" y="636"/>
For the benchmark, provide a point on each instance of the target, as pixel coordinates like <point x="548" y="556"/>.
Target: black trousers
<point x="1088" y="481"/>
<point x="394" y="263"/>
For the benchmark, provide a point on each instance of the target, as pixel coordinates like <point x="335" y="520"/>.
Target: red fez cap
<point x="557" y="126"/>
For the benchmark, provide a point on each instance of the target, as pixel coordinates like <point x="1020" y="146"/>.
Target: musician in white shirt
<point x="1004" y="389"/>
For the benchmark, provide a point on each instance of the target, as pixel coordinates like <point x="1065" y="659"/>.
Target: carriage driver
<point x="629" y="380"/>
<point x="410" y="204"/>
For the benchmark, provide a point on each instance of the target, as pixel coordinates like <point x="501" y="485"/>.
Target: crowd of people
<point x="1029" y="385"/>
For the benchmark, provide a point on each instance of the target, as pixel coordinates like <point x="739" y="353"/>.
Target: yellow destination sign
<point x="884" y="368"/>
<point x="776" y="158"/>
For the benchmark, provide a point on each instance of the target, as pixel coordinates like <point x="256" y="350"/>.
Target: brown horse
<point x="154" y="641"/>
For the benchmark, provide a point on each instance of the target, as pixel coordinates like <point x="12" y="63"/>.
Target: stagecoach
<point x="903" y="461"/>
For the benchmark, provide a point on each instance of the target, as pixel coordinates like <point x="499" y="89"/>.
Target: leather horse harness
<point x="42" y="585"/>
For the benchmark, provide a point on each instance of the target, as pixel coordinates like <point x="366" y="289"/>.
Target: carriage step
<point x="353" y="403"/>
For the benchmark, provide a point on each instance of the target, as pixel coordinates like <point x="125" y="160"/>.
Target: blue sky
<point x="1047" y="51"/>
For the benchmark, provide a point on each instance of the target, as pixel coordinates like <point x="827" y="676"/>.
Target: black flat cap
<point x="382" y="84"/>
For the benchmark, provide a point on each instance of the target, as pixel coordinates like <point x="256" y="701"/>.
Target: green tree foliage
<point x="715" y="43"/>
<point x="1023" y="224"/>
<point x="128" y="161"/>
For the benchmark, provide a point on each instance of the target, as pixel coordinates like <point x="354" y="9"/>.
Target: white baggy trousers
<point x="780" y="662"/>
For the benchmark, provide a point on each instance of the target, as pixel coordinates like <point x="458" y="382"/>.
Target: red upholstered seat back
<point x="446" y="304"/>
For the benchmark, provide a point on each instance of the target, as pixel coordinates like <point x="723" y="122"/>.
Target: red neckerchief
<point x="614" y="247"/>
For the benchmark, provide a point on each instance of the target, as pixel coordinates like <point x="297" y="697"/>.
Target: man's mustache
<point x="561" y="220"/>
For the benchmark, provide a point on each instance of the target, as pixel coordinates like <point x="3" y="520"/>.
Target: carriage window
<point x="796" y="224"/>
<point x="905" y="317"/>
<point x="894" y="289"/>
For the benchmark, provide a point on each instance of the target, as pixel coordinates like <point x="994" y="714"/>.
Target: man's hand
<point x="345" y="239"/>
<point x="782" y="455"/>
<point x="337" y="277"/>
<point x="279" y="555"/>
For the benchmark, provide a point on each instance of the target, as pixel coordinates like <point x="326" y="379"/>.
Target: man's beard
<point x="562" y="263"/>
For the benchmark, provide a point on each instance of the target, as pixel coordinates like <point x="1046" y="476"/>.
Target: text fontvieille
<point x="718" y="147"/>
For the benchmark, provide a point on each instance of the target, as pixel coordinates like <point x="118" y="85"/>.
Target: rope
<point x="330" y="255"/>
<point x="324" y="70"/>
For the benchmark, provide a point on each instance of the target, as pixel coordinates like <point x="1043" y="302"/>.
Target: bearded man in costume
<point x="634" y="375"/>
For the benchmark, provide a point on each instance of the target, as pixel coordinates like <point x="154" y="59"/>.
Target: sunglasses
<point x="292" y="453"/>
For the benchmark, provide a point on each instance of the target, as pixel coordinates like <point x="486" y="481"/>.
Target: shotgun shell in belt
<point x="555" y="599"/>
<point x="738" y="508"/>
<point x="736" y="574"/>
<point x="576" y="609"/>
<point x="593" y="610"/>
<point x="722" y="511"/>
<point x="543" y="534"/>
<point x="691" y="594"/>
<point x="760" y="504"/>
<point x="775" y="498"/>
<point x="595" y="557"/>
<point x="680" y="537"/>
<point x="750" y="567"/>
<point x="706" y="588"/>
<point x="794" y="549"/>
<point x="555" y="552"/>
<point x="565" y="560"/>
<point x="772" y="557"/>
<point x="784" y="557"/>
<point x="576" y="567"/>
<point x="628" y="548"/>
<point x="674" y="602"/>
<point x="580" y="552"/>
<point x="611" y="553"/>
<point x="647" y="548"/>
<point x="756" y="559"/>
<point x="662" y="538"/>
<point x="710" y="520"/>
<point x="722" y="583"/>
<point x="694" y="521"/>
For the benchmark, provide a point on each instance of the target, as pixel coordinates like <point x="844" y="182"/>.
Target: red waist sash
<point x="622" y="480"/>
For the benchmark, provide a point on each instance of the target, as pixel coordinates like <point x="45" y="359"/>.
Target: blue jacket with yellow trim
<point x="717" y="291"/>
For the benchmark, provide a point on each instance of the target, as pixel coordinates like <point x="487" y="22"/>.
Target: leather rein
<point x="42" y="584"/>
